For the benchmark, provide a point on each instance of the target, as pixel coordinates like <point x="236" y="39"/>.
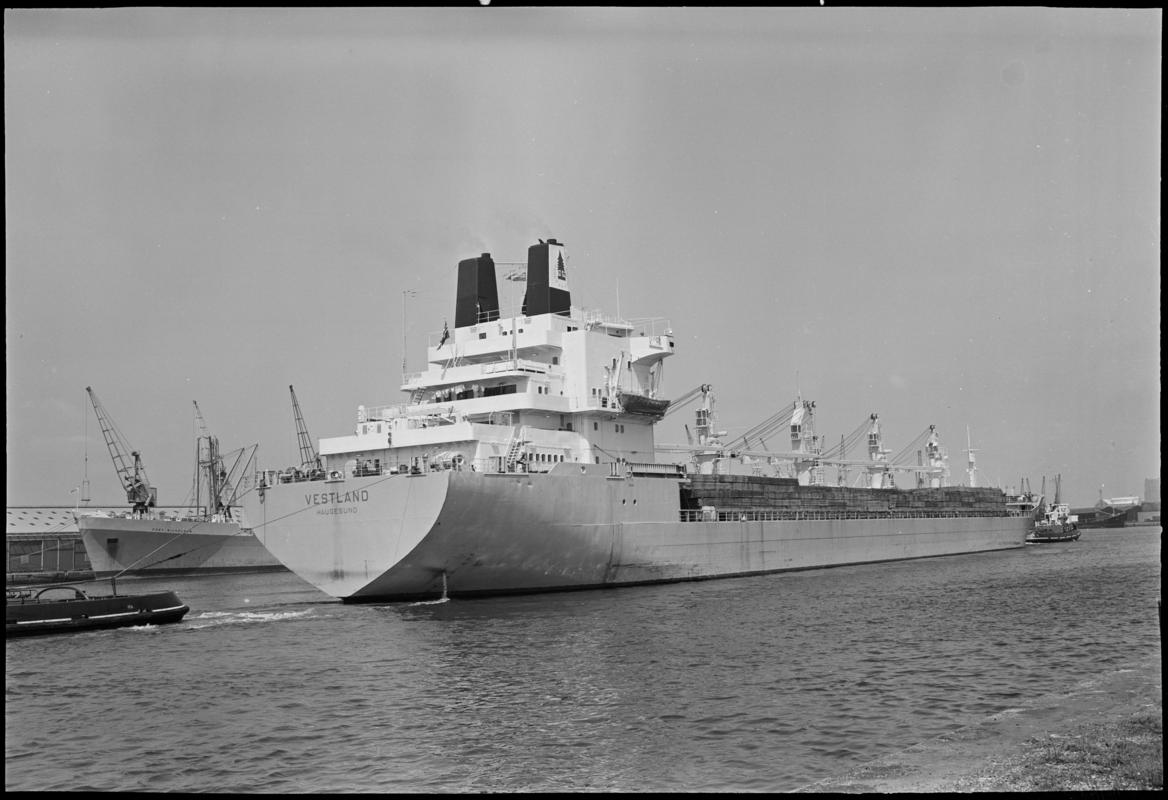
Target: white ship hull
<point x="400" y="537"/>
<point x="128" y="546"/>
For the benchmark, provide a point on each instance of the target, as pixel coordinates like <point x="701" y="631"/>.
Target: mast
<point x="405" y="293"/>
<point x="201" y="465"/>
<point x="212" y="470"/>
<point x="971" y="465"/>
<point x="515" y="275"/>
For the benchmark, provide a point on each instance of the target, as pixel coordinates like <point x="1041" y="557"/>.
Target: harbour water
<point x="753" y="684"/>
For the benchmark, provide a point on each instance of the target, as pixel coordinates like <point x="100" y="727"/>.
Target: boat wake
<point x="211" y="619"/>
<point x="142" y="629"/>
<point x="439" y="601"/>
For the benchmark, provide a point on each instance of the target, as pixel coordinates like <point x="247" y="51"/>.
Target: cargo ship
<point x="211" y="536"/>
<point x="187" y="543"/>
<point x="525" y="460"/>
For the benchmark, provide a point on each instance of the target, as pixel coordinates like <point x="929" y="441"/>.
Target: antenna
<point x="516" y="275"/>
<point x="411" y="293"/>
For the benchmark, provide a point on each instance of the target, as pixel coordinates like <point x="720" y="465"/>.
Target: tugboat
<point x="31" y="611"/>
<point x="1057" y="523"/>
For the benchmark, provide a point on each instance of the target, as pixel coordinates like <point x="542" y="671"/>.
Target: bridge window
<point x="492" y="391"/>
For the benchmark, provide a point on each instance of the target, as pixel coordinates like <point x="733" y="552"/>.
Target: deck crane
<point x="932" y="459"/>
<point x="309" y="459"/>
<point x="132" y="475"/>
<point x="686" y="399"/>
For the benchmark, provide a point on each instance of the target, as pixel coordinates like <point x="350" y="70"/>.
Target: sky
<point x="947" y="217"/>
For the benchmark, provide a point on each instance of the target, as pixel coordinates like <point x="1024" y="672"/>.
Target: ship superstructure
<point x="553" y="384"/>
<point x="525" y="459"/>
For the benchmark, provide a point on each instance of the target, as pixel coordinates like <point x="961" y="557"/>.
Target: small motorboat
<point x="67" y="609"/>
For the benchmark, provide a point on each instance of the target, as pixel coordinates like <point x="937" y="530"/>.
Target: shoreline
<point x="1004" y="751"/>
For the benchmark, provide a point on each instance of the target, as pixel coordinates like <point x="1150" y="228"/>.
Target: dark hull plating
<point x="29" y="616"/>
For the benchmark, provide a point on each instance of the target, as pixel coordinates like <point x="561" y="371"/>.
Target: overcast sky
<point x="946" y="216"/>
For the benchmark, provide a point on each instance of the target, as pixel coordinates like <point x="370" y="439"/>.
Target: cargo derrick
<point x="310" y="465"/>
<point x="734" y="477"/>
<point x="132" y="475"/>
<point x="216" y="486"/>
<point x="804" y="461"/>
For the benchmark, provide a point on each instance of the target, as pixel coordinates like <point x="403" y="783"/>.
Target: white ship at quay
<point x="211" y="536"/>
<point x="525" y="461"/>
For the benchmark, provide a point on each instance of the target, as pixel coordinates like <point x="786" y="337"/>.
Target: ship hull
<point x="1109" y="521"/>
<point x="125" y="546"/>
<point x="472" y="534"/>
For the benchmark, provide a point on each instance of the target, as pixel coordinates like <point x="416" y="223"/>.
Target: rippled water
<point x="752" y="684"/>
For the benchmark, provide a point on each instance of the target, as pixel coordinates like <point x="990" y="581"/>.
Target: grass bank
<point x="1103" y="733"/>
<point x="1121" y="755"/>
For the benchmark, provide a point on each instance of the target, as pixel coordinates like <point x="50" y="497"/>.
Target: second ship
<point x="209" y="537"/>
<point x="525" y="461"/>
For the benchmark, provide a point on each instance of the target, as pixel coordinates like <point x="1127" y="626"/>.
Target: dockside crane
<point x="139" y="493"/>
<point x="309" y="459"/>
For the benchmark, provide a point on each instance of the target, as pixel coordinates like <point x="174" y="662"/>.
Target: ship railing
<point x="514" y="365"/>
<point x="386" y="412"/>
<point x="655" y="469"/>
<point x="641" y="326"/>
<point x="713" y="515"/>
<point x="173" y="513"/>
